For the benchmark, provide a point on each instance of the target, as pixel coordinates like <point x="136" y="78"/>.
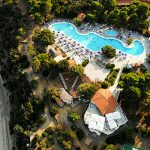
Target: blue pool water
<point x="111" y="32"/>
<point x="95" y="42"/>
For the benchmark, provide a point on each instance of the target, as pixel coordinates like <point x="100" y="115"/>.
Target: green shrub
<point x="50" y="137"/>
<point x="112" y="80"/>
<point x="110" y="66"/>
<point x="60" y="139"/>
<point x="85" y="62"/>
<point x="74" y="116"/>
<point x="105" y="84"/>
<point x="44" y="134"/>
<point x="49" y="130"/>
<point x="53" y="110"/>
<point x="34" y="83"/>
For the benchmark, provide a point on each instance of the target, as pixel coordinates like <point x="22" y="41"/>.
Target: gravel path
<point x="5" y="141"/>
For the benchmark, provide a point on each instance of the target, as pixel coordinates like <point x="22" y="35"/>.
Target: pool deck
<point x="92" y="70"/>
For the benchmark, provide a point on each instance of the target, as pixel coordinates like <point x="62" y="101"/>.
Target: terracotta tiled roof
<point x="124" y="2"/>
<point x="104" y="101"/>
<point x="127" y="2"/>
<point x="81" y="16"/>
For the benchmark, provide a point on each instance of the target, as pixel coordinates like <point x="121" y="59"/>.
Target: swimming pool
<point x="95" y="42"/>
<point x="111" y="32"/>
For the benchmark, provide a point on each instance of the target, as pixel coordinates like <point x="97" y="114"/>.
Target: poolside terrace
<point x="95" y="70"/>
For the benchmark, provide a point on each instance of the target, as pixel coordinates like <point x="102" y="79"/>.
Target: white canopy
<point x="113" y="116"/>
<point x="116" y="115"/>
<point x="96" y="122"/>
<point x="112" y="124"/>
<point x="65" y="96"/>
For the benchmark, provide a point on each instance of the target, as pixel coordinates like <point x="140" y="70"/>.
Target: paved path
<point x="5" y="141"/>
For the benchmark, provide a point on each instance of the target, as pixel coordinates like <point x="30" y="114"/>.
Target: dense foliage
<point x="109" y="52"/>
<point x="77" y="70"/>
<point x="43" y="38"/>
<point x="74" y="116"/>
<point x="110" y="79"/>
<point x="135" y="85"/>
<point x="133" y="16"/>
<point x="87" y="90"/>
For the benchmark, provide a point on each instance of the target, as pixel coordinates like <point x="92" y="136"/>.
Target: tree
<point x="44" y="38"/>
<point x="133" y="21"/>
<point x="52" y="93"/>
<point x="36" y="65"/>
<point x="129" y="41"/>
<point x="109" y="52"/>
<point x="18" y="129"/>
<point x="53" y="111"/>
<point x="74" y="116"/>
<point x="113" y="17"/>
<point x="96" y="8"/>
<point x="142" y="10"/>
<point x="146" y="102"/>
<point x="109" y="4"/>
<point x="63" y="65"/>
<point x="87" y="90"/>
<point x="38" y="18"/>
<point x="91" y="18"/>
<point x="31" y="50"/>
<point x="130" y="79"/>
<point x="132" y="93"/>
<point x="77" y="21"/>
<point x="123" y="18"/>
<point x="42" y="62"/>
<point x="77" y="70"/>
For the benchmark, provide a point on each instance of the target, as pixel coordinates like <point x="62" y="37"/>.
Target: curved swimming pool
<point x="111" y="32"/>
<point x="95" y="42"/>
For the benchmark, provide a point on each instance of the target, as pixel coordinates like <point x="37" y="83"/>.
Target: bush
<point x="34" y="83"/>
<point x="60" y="139"/>
<point x="49" y="130"/>
<point x="50" y="137"/>
<point x="85" y="62"/>
<point x="105" y="84"/>
<point x="44" y="134"/>
<point x="80" y="134"/>
<point x="110" y="66"/>
<point x="74" y="116"/>
<point x="112" y="80"/>
<point x="53" y="111"/>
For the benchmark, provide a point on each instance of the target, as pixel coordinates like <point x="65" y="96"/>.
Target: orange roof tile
<point x="81" y="16"/>
<point x="105" y="101"/>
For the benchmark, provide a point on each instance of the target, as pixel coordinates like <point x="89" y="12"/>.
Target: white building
<point x="104" y="115"/>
